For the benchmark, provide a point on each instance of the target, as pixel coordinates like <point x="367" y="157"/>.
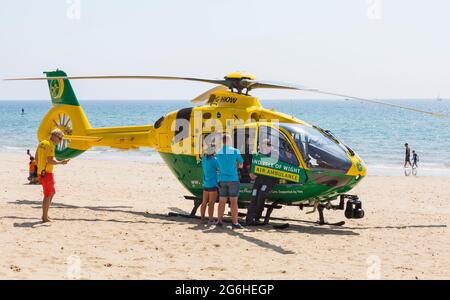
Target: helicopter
<point x="313" y="167"/>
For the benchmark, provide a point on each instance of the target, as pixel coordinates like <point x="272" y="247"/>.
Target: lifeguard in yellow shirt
<point x="45" y="156"/>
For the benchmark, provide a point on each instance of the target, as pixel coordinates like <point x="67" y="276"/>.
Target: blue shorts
<point x="210" y="189"/>
<point x="229" y="188"/>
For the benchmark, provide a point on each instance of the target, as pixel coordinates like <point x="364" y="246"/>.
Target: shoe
<point x="211" y="223"/>
<point x="237" y="226"/>
<point x="254" y="223"/>
<point x="219" y="224"/>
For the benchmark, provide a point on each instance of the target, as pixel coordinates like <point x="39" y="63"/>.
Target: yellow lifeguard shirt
<point x="45" y="149"/>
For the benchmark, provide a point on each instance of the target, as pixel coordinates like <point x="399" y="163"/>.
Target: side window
<point x="274" y="143"/>
<point x="182" y="124"/>
<point x="300" y="140"/>
<point x="287" y="154"/>
<point x="244" y="139"/>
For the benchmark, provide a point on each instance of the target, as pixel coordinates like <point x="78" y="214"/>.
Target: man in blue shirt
<point x="229" y="160"/>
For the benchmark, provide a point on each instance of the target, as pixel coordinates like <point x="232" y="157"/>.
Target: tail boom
<point x="67" y="115"/>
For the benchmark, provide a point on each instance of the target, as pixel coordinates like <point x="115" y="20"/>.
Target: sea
<point x="376" y="132"/>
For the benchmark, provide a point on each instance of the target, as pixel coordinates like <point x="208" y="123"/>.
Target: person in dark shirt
<point x="261" y="189"/>
<point x="407" y="155"/>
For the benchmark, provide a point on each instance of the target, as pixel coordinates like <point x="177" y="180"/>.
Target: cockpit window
<point x="319" y="151"/>
<point x="273" y="143"/>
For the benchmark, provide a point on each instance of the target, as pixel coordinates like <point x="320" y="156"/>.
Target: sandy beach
<point x="110" y="222"/>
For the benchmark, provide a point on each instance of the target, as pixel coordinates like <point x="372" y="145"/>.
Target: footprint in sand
<point x="15" y="268"/>
<point x="215" y="269"/>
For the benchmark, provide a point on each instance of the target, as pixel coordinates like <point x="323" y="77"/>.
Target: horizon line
<point x="271" y="99"/>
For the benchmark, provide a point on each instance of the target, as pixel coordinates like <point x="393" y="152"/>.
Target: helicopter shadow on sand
<point x="292" y="228"/>
<point x="241" y="234"/>
<point x="122" y="209"/>
<point x="165" y="219"/>
<point x="311" y="229"/>
<point x="56" y="205"/>
<point x="171" y="220"/>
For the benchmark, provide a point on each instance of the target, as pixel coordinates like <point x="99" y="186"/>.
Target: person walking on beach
<point x="229" y="160"/>
<point x="210" y="168"/>
<point x="45" y="158"/>
<point x="415" y="159"/>
<point x="407" y="155"/>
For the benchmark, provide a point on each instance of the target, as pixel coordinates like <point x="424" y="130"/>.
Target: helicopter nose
<point x="360" y="167"/>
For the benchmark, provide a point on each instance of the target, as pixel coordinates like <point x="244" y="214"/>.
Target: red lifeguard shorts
<point x="48" y="184"/>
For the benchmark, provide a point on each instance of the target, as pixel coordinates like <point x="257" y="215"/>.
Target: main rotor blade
<point x="205" y="95"/>
<point x="258" y="84"/>
<point x="435" y="114"/>
<point x="254" y="84"/>
<point x="231" y="83"/>
<point x="214" y="81"/>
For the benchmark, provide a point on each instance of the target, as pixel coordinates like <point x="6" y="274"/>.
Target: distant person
<point x="32" y="171"/>
<point x="45" y="155"/>
<point x="23" y="111"/>
<point x="261" y="188"/>
<point x="415" y="159"/>
<point x="210" y="168"/>
<point x="229" y="160"/>
<point x="407" y="155"/>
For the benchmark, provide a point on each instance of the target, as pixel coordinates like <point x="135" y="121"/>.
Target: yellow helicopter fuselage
<point x="179" y="136"/>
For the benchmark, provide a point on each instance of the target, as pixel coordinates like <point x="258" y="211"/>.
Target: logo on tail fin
<point x="57" y="88"/>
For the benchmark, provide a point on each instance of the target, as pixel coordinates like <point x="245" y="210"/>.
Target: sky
<point x="369" y="48"/>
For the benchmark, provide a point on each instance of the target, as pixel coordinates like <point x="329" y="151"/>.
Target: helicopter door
<point x="244" y="139"/>
<point x="274" y="144"/>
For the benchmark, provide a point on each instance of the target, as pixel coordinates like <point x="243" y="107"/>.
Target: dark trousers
<point x="261" y="188"/>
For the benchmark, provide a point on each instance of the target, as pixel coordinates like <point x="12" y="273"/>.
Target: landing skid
<point x="192" y="215"/>
<point x="267" y="217"/>
<point x="321" y="221"/>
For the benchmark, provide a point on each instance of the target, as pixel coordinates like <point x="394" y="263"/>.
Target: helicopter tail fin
<point x="67" y="115"/>
<point x="61" y="90"/>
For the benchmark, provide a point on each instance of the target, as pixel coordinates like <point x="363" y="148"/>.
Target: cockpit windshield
<point x="319" y="151"/>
